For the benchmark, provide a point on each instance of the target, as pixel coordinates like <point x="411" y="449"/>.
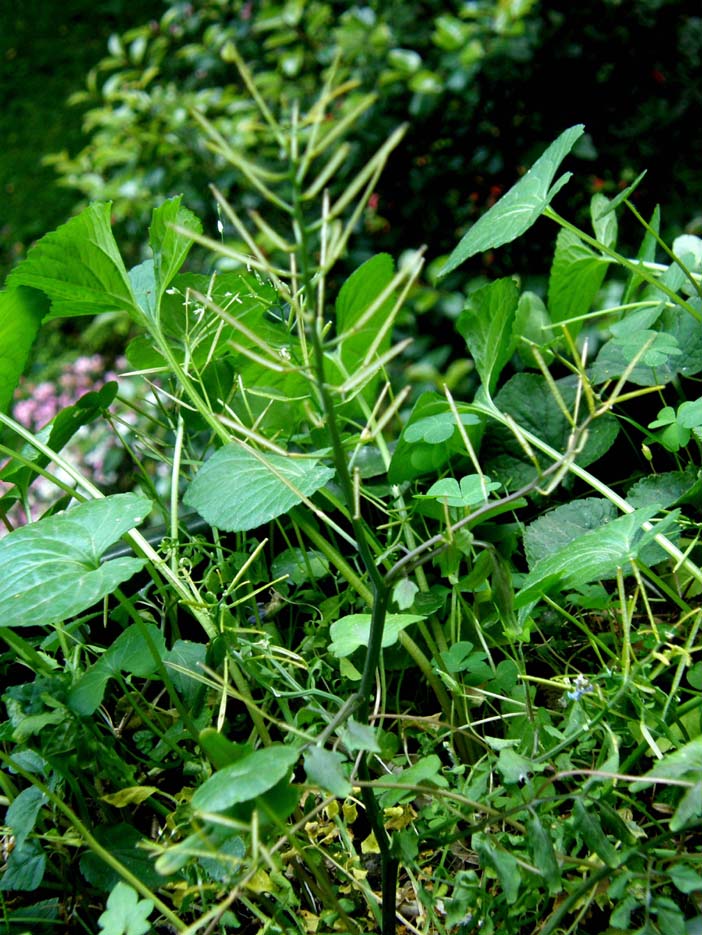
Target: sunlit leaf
<point x="51" y="569"/>
<point x="523" y="204"/>
<point x="240" y="488"/>
<point x="79" y="267"/>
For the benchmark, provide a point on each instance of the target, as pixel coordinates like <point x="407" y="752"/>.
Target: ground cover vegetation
<point x="412" y="650"/>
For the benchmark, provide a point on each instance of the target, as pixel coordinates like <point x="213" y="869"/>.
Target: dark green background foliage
<point x="476" y="80"/>
<point x="46" y="49"/>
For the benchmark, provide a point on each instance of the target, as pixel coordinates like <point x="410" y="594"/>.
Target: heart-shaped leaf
<point x="51" y="569"/>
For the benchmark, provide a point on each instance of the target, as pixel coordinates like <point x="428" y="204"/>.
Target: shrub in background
<point x="475" y="79"/>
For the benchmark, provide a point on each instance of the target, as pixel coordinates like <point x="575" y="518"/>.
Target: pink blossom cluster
<point x="37" y="404"/>
<point x="92" y="448"/>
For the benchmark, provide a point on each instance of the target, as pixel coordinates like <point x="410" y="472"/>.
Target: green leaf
<point x="241" y="488"/>
<point x="189" y="656"/>
<point x="325" y="768"/>
<point x="523" y="204"/>
<point x="528" y="399"/>
<point x="25" y="868"/>
<point x="683" y="763"/>
<point x="79" y="267"/>
<point x="21" y="313"/>
<point x="170" y="247"/>
<point x="689" y="808"/>
<point x="426" y="770"/>
<point x="51" y="569"/>
<point x="130" y="653"/>
<point x="501" y="861"/>
<point x="685" y="878"/>
<point x="404" y="592"/>
<point x="604" y="219"/>
<point x="544" y="854"/>
<point x="126" y="914"/>
<point x="556" y="529"/>
<point x="430" y="437"/>
<point x="668" y="489"/>
<point x="300" y="565"/>
<point x="22" y="813"/>
<point x="592" y="557"/>
<point x="487" y="325"/>
<point x="246" y="779"/>
<point x="220" y="751"/>
<point x="657" y="355"/>
<point x="577" y="273"/>
<point x="514" y="767"/>
<point x="350" y="632"/>
<point x="357" y="736"/>
<point x="473" y="489"/>
<point x="592" y="834"/>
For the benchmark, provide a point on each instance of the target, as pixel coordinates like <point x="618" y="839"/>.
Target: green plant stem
<point x="380" y="590"/>
<point x="636" y="268"/>
<point x="95" y="845"/>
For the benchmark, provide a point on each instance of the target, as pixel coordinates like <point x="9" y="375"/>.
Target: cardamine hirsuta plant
<point x="399" y="659"/>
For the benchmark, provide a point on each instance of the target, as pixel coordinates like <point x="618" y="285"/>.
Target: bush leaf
<point x="523" y="204"/>
<point x="240" y="488"/>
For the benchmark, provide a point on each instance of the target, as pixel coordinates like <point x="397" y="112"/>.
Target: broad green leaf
<point x="556" y="529"/>
<point x="430" y="437"/>
<point x="544" y="854"/>
<point x="514" y="767"/>
<point x="426" y="771"/>
<point x="328" y="769"/>
<point x="689" y="808"/>
<point x="647" y="254"/>
<point x="170" y="247"/>
<point x="51" y="569"/>
<point x="126" y="914"/>
<point x="357" y="736"/>
<point x="487" y="326"/>
<point x="241" y="488"/>
<point x="220" y="751"/>
<point x="683" y="763"/>
<point x="668" y="489"/>
<point x="300" y="565"/>
<point x="352" y="631"/>
<point x="246" y="779"/>
<point x="592" y="834"/>
<point x="25" y="868"/>
<point x="501" y="861"/>
<point x="22" y="813"/>
<point x="404" y="592"/>
<point x="21" y="313"/>
<point x="604" y="220"/>
<point x="577" y="273"/>
<point x="79" y="267"/>
<point x="594" y="556"/>
<point x="528" y="399"/>
<point x="685" y="878"/>
<point x="130" y="653"/>
<point x="355" y="299"/>
<point x="532" y="325"/>
<point x="657" y="354"/>
<point x="523" y="204"/>
<point x="189" y="656"/>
